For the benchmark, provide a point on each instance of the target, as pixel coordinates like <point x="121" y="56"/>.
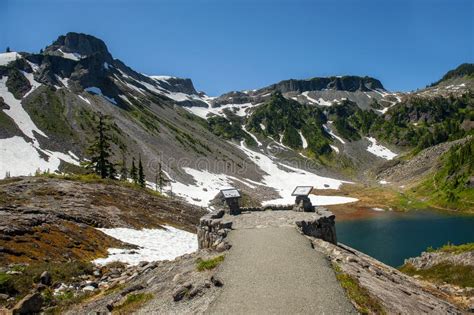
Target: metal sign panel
<point x="230" y="193"/>
<point x="302" y="190"/>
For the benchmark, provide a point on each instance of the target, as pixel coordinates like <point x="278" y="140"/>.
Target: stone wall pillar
<point x="323" y="228"/>
<point x="212" y="231"/>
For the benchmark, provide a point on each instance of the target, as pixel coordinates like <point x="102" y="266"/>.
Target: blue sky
<point x="225" y="45"/>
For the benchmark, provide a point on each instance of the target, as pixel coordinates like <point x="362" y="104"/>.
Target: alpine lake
<point x="391" y="237"/>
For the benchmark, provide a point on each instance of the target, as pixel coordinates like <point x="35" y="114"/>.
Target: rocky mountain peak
<point x="79" y="46"/>
<point x="342" y="83"/>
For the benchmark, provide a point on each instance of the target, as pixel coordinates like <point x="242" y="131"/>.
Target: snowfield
<point x="318" y="200"/>
<point x="284" y="178"/>
<point x="155" y="244"/>
<point x="380" y="150"/>
<point x="17" y="155"/>
<point x="6" y="58"/>
<point x="203" y="112"/>
<point x="17" y="113"/>
<point x="72" y="56"/>
<point x="207" y="185"/>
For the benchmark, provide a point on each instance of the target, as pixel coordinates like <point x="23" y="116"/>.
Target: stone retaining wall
<point x="323" y="227"/>
<point x="212" y="231"/>
<point x="214" y="227"/>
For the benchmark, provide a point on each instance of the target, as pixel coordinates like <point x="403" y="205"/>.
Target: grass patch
<point x="209" y="264"/>
<point x="133" y="302"/>
<point x="460" y="275"/>
<point x="365" y="303"/>
<point x="453" y="249"/>
<point x="20" y="284"/>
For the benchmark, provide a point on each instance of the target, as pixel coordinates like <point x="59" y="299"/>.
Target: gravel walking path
<point x="275" y="270"/>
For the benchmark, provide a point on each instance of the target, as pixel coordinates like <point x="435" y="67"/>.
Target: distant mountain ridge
<point x="335" y="127"/>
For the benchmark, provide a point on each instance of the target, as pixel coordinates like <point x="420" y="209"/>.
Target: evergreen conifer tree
<point x="100" y="152"/>
<point x="8" y="50"/>
<point x="141" y="174"/>
<point x="134" y="172"/>
<point x="160" y="179"/>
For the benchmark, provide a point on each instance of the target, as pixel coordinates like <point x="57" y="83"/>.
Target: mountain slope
<point x="317" y="131"/>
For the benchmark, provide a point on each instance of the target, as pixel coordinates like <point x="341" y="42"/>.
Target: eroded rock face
<point x="82" y="44"/>
<point x="395" y="291"/>
<point x="428" y="260"/>
<point x="323" y="228"/>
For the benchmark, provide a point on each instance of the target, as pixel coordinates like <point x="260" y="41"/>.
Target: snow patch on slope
<point x="155" y="245"/>
<point x="17" y="113"/>
<point x="6" y="58"/>
<point x="19" y="157"/>
<point x="380" y="150"/>
<point x="283" y="178"/>
<point x="318" y="200"/>
<point x="319" y="101"/>
<point x="205" y="188"/>
<point x="98" y="91"/>
<point x="252" y="135"/>
<point x="332" y="134"/>
<point x="72" y="56"/>
<point x="203" y="112"/>
<point x="336" y="149"/>
<point x="303" y="140"/>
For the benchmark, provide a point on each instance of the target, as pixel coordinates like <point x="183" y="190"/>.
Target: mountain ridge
<point x="197" y="138"/>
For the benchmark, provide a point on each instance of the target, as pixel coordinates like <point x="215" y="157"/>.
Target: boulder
<point x="46" y="278"/>
<point x="30" y="304"/>
<point x="180" y="292"/>
<point x="217" y="281"/>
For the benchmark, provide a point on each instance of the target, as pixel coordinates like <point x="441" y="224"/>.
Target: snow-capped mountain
<point x="264" y="141"/>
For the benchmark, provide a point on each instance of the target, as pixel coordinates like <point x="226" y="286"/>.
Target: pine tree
<point x="100" y="152"/>
<point x="134" y="172"/>
<point x="8" y="50"/>
<point x="160" y="179"/>
<point x="141" y="174"/>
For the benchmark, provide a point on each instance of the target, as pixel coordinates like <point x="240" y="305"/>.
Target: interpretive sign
<point x="302" y="190"/>
<point x="230" y="193"/>
<point x="231" y="197"/>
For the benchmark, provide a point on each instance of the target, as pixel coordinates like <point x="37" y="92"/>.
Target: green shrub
<point x="209" y="264"/>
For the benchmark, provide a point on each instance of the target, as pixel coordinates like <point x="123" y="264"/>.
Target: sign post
<point x="231" y="197"/>
<point x="302" y="201"/>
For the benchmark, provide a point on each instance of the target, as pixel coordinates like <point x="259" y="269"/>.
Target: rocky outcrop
<point x="30" y="304"/>
<point x="176" y="287"/>
<point x="395" y="291"/>
<point x="323" y="228"/>
<point x="344" y="83"/>
<point x="429" y="259"/>
<point x="57" y="218"/>
<point x="81" y="44"/>
<point x="399" y="171"/>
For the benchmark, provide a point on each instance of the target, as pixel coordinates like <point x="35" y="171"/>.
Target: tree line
<point x="101" y="160"/>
